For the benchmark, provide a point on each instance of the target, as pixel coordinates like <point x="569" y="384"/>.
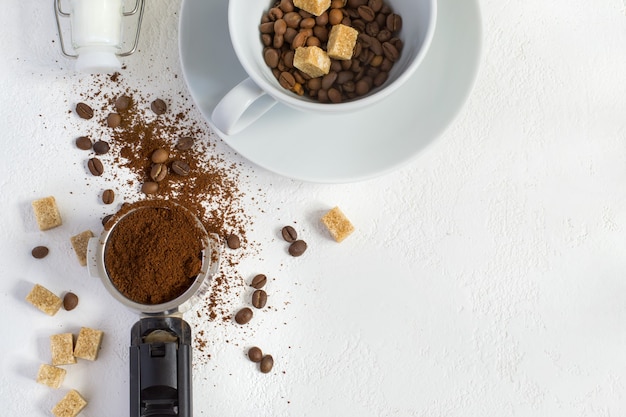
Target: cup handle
<point x="241" y="106"/>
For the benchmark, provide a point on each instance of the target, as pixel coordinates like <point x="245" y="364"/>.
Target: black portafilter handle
<point x="160" y="368"/>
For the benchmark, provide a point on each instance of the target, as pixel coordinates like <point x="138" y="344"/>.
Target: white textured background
<point x="488" y="278"/>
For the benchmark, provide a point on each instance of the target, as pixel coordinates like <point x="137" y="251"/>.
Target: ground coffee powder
<point x="154" y="251"/>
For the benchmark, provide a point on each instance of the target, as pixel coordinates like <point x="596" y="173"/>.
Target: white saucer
<point x="333" y="148"/>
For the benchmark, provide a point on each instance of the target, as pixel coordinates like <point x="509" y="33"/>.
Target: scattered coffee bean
<point x="123" y="103"/>
<point x="70" y="301"/>
<point x="233" y="241"/>
<point x="84" y="111"/>
<point x="258" y="281"/>
<point x="39" y="252"/>
<point x="160" y="156"/>
<point x="259" y="298"/>
<point x="108" y="196"/>
<point x="158" y="106"/>
<point x="180" y="168"/>
<point x="184" y="144"/>
<point x="297" y="248"/>
<point x="101" y="147"/>
<point x="150" y="187"/>
<point x="114" y="120"/>
<point x="95" y="167"/>
<point x="106" y="218"/>
<point x="243" y="316"/>
<point x="267" y="363"/>
<point x="158" y="172"/>
<point x="83" y="143"/>
<point x="289" y="234"/>
<point x="255" y="354"/>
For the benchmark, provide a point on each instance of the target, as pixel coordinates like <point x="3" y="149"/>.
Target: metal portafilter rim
<point x="210" y="262"/>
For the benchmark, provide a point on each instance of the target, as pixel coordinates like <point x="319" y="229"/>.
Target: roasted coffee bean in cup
<point x="359" y="40"/>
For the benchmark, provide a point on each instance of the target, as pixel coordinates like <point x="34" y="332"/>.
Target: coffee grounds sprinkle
<point x="211" y="190"/>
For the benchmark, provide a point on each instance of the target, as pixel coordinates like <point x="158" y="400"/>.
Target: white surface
<point x="485" y="278"/>
<point x="373" y="141"/>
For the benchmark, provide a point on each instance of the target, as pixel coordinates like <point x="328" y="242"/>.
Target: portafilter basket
<point x="160" y="348"/>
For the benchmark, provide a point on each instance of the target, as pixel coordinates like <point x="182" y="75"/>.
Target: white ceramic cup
<point x="254" y="96"/>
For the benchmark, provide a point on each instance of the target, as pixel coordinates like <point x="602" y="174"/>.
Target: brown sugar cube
<point x="44" y="299"/>
<point x="341" y="41"/>
<point x="70" y="405"/>
<point x="337" y="224"/>
<point x="47" y="213"/>
<point x="50" y="375"/>
<point x="88" y="343"/>
<point x="62" y="349"/>
<point x="79" y="243"/>
<point x="312" y="60"/>
<point x="316" y="7"/>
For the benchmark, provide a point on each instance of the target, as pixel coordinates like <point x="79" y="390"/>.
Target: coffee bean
<point x="328" y="80"/>
<point x="70" y="301"/>
<point x="108" y="196"/>
<point x="255" y="354"/>
<point x="101" y="147"/>
<point x="334" y="95"/>
<point x="149" y="187"/>
<point x="95" y="167"/>
<point x="160" y="156"/>
<point x="158" y="172"/>
<point x="83" y="143"/>
<point x="390" y="51"/>
<point x="286" y="80"/>
<point x="271" y="57"/>
<point x="286" y="6"/>
<point x="289" y="234"/>
<point x="39" y="252"/>
<point x="394" y="22"/>
<point x="335" y="16"/>
<point x="259" y="298"/>
<point x="299" y="40"/>
<point x="233" y="241"/>
<point x="258" y="281"/>
<point x="375" y="5"/>
<point x="292" y="19"/>
<point x="123" y="103"/>
<point x="158" y="106"/>
<point x="243" y="316"/>
<point x="106" y="218"/>
<point x="84" y="111"/>
<point x="267" y="363"/>
<point x="275" y="13"/>
<point x="185" y="143"/>
<point x="280" y="27"/>
<point x="366" y="13"/>
<point x="181" y="168"/>
<point x="297" y="248"/>
<point x="114" y="120"/>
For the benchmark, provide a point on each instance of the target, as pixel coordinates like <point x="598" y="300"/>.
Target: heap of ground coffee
<point x="154" y="251"/>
